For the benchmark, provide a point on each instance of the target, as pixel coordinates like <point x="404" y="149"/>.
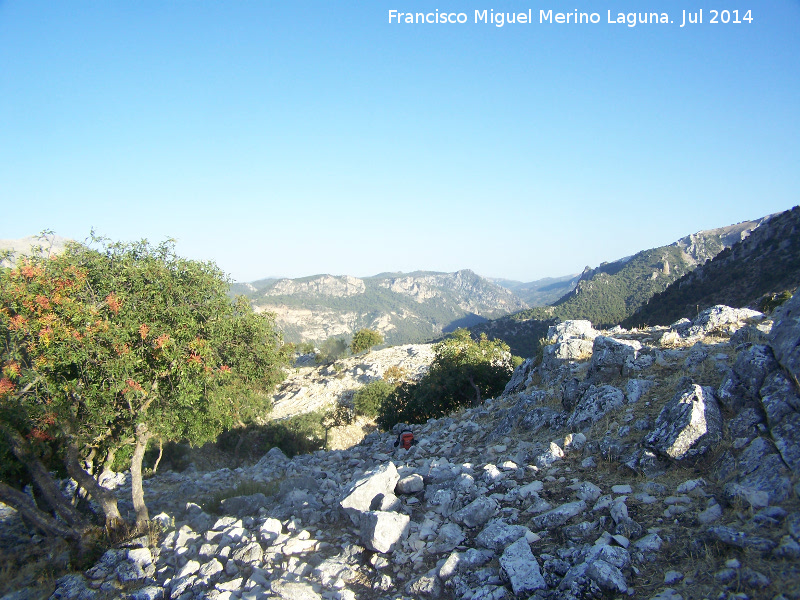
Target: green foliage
<point x="368" y="400"/>
<point x="772" y="301"/>
<point x="463" y="373"/>
<point x="307" y="347"/>
<point x="331" y="350"/>
<point x="302" y="434"/>
<point x="364" y="339"/>
<point x="99" y="341"/>
<point x="337" y="417"/>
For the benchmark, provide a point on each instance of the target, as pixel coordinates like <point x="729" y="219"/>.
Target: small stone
<point x="711" y="514"/>
<point x="754" y="579"/>
<point x="410" y="484"/>
<point x="189" y="568"/>
<point x="671" y="577"/>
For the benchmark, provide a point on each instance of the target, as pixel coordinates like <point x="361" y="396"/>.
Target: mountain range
<point x="404" y="307"/>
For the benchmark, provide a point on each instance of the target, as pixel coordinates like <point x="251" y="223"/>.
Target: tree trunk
<point x="43" y="480"/>
<point x="237" y="448"/>
<point x="105" y="498"/>
<point x="108" y="464"/>
<point x="137" y="490"/>
<point x="477" y="400"/>
<point x="160" y="454"/>
<point x="25" y="505"/>
<point x="40" y="519"/>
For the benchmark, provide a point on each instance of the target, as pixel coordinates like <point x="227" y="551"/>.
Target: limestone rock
<point x="521" y="568"/>
<point x="579" y="329"/>
<point x="720" y="318"/>
<point x="613" y="358"/>
<point x="477" y="512"/>
<point x="785" y="336"/>
<point x="781" y="404"/>
<point x="410" y="484"/>
<point x="381" y="531"/>
<point x="359" y="497"/>
<point x="688" y="425"/>
<point x="595" y="403"/>
<point x="558" y="516"/>
<point x="498" y="534"/>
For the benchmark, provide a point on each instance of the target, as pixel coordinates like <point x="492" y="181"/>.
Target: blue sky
<point x="303" y="137"/>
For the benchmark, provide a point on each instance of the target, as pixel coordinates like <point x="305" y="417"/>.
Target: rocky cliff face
<point x="404" y="307"/>
<point x="322" y="285"/>
<point x="658" y="464"/>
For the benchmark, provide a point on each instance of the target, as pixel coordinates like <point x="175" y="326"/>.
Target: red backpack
<point x="405" y="439"/>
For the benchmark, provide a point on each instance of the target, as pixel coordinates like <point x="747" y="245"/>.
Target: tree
<point x="364" y="339"/>
<point x="111" y="346"/>
<point x="331" y="350"/>
<point x="335" y="417"/>
<point x="463" y="373"/>
<point x="368" y="400"/>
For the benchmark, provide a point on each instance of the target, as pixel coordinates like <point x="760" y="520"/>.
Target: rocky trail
<point x="658" y="464"/>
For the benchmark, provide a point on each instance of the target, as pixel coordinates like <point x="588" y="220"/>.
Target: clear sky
<point x="300" y="137"/>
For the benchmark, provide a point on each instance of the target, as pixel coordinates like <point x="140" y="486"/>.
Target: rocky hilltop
<point x="404" y="307"/>
<point x="659" y="463"/>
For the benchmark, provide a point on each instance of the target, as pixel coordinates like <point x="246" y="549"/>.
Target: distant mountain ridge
<point x="764" y="263"/>
<point x="49" y="243"/>
<point x="404" y="307"/>
<point x="542" y="291"/>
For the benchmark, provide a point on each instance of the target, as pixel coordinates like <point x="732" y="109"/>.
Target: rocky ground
<point x="655" y="464"/>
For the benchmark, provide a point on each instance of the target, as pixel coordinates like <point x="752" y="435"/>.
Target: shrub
<point x="368" y="400"/>
<point x="364" y="339"/>
<point x="463" y="373"/>
<point x="331" y="350"/>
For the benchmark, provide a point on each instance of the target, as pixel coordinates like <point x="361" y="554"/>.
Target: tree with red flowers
<point x="109" y="346"/>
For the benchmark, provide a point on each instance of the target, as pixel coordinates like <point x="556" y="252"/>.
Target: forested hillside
<point x="751" y="271"/>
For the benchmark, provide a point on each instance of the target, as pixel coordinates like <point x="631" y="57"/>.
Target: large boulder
<point x="720" y="319"/>
<point x="381" y="531"/>
<point x="578" y="329"/>
<point x="781" y="404"/>
<point x="688" y="425"/>
<point x="361" y="495"/>
<point x="785" y="337"/>
<point x="521" y="568"/>
<point x="742" y="384"/>
<point x="519" y="378"/>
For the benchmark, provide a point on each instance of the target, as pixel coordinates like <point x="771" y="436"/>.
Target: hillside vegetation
<point x="764" y="264"/>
